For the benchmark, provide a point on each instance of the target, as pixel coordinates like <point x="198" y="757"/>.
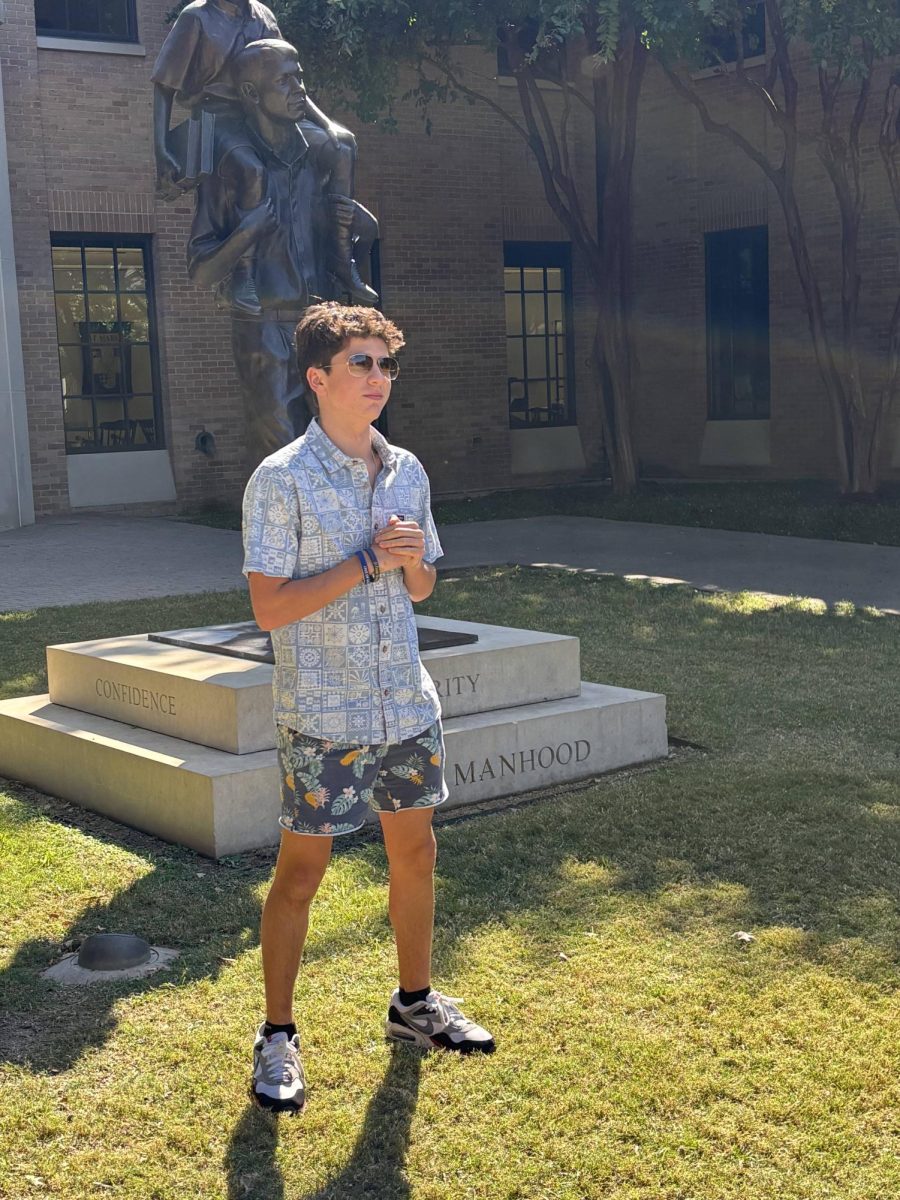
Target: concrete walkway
<point x="75" y="560"/>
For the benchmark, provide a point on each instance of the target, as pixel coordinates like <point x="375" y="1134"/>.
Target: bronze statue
<point x="276" y="227"/>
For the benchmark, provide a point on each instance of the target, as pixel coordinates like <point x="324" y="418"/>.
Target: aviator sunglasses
<point x="361" y="365"/>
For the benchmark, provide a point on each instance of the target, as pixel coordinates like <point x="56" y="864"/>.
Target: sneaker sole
<point x="412" y="1037"/>
<point x="277" y="1107"/>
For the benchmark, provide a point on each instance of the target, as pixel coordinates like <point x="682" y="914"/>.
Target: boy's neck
<point x="354" y="441"/>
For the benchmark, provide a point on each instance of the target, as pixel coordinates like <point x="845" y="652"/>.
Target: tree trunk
<point x="616" y="98"/>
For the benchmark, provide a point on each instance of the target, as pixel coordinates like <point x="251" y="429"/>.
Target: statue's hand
<point x="168" y="170"/>
<point x="260" y="220"/>
<point x="334" y="132"/>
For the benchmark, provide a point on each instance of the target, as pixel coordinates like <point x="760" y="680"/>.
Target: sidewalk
<point x="75" y="560"/>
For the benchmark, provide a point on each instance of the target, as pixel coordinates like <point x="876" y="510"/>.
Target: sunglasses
<point x="361" y="365"/>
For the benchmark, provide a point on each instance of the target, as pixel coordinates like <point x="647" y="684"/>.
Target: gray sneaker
<point x="436" y="1022"/>
<point x="279" y="1084"/>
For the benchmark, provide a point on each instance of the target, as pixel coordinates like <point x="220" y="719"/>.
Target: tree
<point x="831" y="47"/>
<point x="359" y="47"/>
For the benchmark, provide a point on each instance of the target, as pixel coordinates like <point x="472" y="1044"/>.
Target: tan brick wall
<point x="80" y="141"/>
<point x="79" y="129"/>
<point x="689" y="182"/>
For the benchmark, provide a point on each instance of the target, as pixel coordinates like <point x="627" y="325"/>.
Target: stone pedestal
<point x="180" y="742"/>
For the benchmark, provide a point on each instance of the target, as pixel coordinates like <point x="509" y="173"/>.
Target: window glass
<point x="106" y="346"/>
<point x="101" y="20"/>
<point x="537" y="351"/>
<point x="737" y="324"/>
<point x="514" y="314"/>
<point x="69" y="316"/>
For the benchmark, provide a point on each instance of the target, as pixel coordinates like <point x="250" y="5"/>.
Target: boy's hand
<point x="401" y="541"/>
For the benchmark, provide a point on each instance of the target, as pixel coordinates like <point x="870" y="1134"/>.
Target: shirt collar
<point x="333" y="459"/>
<point x="293" y="152"/>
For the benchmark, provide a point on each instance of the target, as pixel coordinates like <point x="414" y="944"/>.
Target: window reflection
<point x="105" y="347"/>
<point x="536" y="335"/>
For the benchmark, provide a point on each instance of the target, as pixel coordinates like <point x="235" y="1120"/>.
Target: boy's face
<point x="352" y="399"/>
<point x="280" y="93"/>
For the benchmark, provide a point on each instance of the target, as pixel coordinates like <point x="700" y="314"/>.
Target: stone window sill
<point x="758" y="60"/>
<point x="87" y="46"/>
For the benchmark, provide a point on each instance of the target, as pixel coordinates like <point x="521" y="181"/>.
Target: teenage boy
<point x="339" y="543"/>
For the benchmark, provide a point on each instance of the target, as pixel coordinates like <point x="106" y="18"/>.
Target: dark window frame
<point x="724" y="328"/>
<point x="130" y="37"/>
<point x="536" y="255"/>
<point x="144" y="243"/>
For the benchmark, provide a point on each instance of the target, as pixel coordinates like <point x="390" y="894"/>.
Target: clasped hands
<point x="399" y="544"/>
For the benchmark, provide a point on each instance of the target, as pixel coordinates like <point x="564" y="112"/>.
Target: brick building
<point x="112" y="362"/>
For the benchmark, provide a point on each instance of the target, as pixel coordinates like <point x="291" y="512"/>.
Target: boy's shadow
<point x="377" y="1165"/>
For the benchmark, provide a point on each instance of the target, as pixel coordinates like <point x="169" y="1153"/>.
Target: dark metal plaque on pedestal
<point x="247" y="640"/>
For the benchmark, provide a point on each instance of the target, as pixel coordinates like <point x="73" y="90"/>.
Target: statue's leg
<point x="364" y="231"/>
<point x="241" y="287"/>
<point x="270" y="385"/>
<point x="339" y="162"/>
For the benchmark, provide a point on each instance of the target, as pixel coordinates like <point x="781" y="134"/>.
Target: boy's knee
<point x="299" y="884"/>
<point x="417" y="858"/>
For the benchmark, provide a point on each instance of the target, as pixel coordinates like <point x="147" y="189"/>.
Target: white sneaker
<point x="436" y="1022"/>
<point x="278" y="1080"/>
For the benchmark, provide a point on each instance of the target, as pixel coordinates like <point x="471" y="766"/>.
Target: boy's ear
<point x="249" y="92"/>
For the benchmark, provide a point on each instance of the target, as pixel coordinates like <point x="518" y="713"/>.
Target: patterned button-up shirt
<point x="350" y="672"/>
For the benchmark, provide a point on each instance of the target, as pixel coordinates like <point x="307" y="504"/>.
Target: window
<point x="107" y="343"/>
<point x="737" y="324"/>
<point x="549" y="61"/>
<point x="721" y="44"/>
<point x="91" y="20"/>
<point x="538" y="334"/>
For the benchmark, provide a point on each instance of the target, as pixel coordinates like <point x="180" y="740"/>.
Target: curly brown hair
<point x="325" y="329"/>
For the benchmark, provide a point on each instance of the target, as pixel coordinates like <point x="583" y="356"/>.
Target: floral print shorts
<point x="329" y="788"/>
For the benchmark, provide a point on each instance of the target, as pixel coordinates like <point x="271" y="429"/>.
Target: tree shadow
<point x="376" y="1167"/>
<point x="48" y="1027"/>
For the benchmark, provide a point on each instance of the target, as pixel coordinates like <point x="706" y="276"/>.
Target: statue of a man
<point x="268" y="201"/>
<point x="194" y="68"/>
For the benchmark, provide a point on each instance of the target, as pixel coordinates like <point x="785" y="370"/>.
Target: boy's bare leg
<point x="302" y="861"/>
<point x="411" y="850"/>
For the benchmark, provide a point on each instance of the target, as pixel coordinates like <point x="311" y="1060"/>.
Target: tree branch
<point x="480" y="97"/>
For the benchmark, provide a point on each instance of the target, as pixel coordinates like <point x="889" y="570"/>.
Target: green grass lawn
<point x="643" y="1052"/>
<point x="794" y="509"/>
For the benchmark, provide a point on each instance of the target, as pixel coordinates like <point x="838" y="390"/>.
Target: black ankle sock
<point x="408" y="998"/>
<point x="269" y="1029"/>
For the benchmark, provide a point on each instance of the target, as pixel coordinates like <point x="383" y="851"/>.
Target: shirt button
<point x="381" y="608"/>
<point x="385" y="691"/>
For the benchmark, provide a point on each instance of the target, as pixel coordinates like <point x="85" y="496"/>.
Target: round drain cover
<point x="113" y="952"/>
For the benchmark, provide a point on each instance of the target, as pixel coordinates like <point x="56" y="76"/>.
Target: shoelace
<point x="284" y="1050"/>
<point x="445" y="1007"/>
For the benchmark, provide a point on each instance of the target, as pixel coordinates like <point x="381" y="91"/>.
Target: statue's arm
<point x="212" y="252"/>
<point x="163" y="98"/>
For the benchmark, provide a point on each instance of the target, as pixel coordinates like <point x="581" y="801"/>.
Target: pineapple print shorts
<point x="329" y="788"/>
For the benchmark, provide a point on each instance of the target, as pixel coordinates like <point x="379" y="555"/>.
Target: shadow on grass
<point x="376" y="1166"/>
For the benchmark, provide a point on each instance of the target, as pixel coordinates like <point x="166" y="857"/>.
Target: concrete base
<point x="219" y="803"/>
<point x="226" y="703"/>
<point x="736" y="444"/>
<point x="124" y="477"/>
<point x="554" y="448"/>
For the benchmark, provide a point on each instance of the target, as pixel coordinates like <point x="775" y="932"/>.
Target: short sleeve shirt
<point x="203" y="40"/>
<point x="350" y="672"/>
